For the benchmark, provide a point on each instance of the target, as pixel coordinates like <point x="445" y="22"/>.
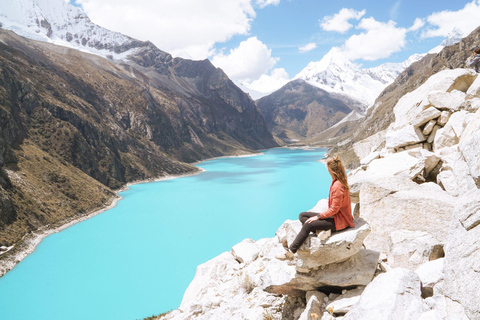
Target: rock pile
<point x="419" y="183"/>
<point x="250" y="283"/>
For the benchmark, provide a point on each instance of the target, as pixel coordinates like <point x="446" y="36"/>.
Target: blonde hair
<point x="338" y="170"/>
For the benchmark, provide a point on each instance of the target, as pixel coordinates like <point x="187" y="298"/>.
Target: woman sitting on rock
<point x="337" y="217"/>
<point x="474" y="60"/>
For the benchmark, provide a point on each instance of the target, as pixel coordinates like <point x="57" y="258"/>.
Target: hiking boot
<point x="323" y="234"/>
<point x="287" y="255"/>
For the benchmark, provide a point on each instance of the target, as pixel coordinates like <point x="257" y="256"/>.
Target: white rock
<point x="288" y="231"/>
<point x="404" y="136"/>
<point x="445" y="137"/>
<point x="431" y="137"/>
<point x="429" y="126"/>
<point x="313" y="310"/>
<point x="462" y="255"/>
<point x="437" y="306"/>
<point x="444" y="116"/>
<point x="355" y="271"/>
<point x="245" y="251"/>
<point x="430" y="274"/>
<point x="372" y="156"/>
<point x="364" y="147"/>
<point x="459" y="121"/>
<point x="474" y="90"/>
<point x="338" y="247"/>
<point x="447" y="100"/>
<point x="469" y="146"/>
<point x="320" y="207"/>
<point x="411" y="249"/>
<point x="448" y="181"/>
<point x="455" y="173"/>
<point x="392" y="295"/>
<point x="343" y="303"/>
<point x="425" y="116"/>
<point x="390" y="204"/>
<point x="411" y="104"/>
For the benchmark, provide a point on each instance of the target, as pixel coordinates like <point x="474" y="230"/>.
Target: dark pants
<point x="322" y="224"/>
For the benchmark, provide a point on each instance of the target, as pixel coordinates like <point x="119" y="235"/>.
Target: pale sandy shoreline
<point x="10" y="258"/>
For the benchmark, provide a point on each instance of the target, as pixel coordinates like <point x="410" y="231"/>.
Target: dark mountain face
<point x="299" y="110"/>
<point x="381" y="115"/>
<point x="73" y="126"/>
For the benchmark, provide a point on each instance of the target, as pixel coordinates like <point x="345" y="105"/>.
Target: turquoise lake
<point x="137" y="259"/>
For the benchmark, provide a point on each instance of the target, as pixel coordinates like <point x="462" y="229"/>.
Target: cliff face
<point x="74" y="126"/>
<point x="299" y="110"/>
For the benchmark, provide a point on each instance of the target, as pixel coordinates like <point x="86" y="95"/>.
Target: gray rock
<point x="394" y="295"/>
<point x="462" y="255"/>
<point x="355" y="271"/>
<point x="425" y="116"/>
<point x="390" y="204"/>
<point x="411" y="249"/>
<point x="338" y="247"/>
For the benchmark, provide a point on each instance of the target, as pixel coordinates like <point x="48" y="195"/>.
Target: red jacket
<point x="339" y="206"/>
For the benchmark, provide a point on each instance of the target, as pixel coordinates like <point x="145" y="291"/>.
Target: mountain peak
<point x="59" y="22"/>
<point x="337" y="74"/>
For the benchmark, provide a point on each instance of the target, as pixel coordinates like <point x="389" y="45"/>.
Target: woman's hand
<point x="311" y="219"/>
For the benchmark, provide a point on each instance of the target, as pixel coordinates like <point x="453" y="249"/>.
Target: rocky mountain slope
<point x="324" y="93"/>
<point x="416" y="207"/>
<point x="379" y="117"/>
<point x="75" y="126"/>
<point x="300" y="110"/>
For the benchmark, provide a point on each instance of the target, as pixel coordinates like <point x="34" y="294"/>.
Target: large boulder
<point x="454" y="175"/>
<point x="410" y="249"/>
<point x="469" y="146"/>
<point x="413" y="164"/>
<point x="403" y="136"/>
<point x="411" y="104"/>
<point x="390" y="204"/>
<point x="462" y="255"/>
<point x="355" y="271"/>
<point x="392" y="295"/>
<point x="339" y="246"/>
<point x="447" y="100"/>
<point x="364" y="147"/>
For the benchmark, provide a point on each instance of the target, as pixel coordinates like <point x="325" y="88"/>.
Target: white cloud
<point x="251" y="67"/>
<point x="417" y="24"/>
<point x="379" y="41"/>
<point x="264" y="3"/>
<point x="339" y="21"/>
<point x="308" y="47"/>
<point x="186" y="28"/>
<point x="248" y="62"/>
<point x="465" y="20"/>
<point x="266" y="83"/>
<point x="394" y="11"/>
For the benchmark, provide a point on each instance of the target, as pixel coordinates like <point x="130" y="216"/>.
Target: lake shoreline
<point x="10" y="258"/>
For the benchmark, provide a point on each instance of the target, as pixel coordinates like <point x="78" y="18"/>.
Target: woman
<point x="474" y="60"/>
<point x="336" y="218"/>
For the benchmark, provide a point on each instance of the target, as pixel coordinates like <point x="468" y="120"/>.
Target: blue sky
<point x="257" y="42"/>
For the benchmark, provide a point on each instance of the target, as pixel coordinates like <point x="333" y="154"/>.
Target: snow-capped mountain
<point x="453" y="37"/>
<point x="335" y="73"/>
<point x="61" y="23"/>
